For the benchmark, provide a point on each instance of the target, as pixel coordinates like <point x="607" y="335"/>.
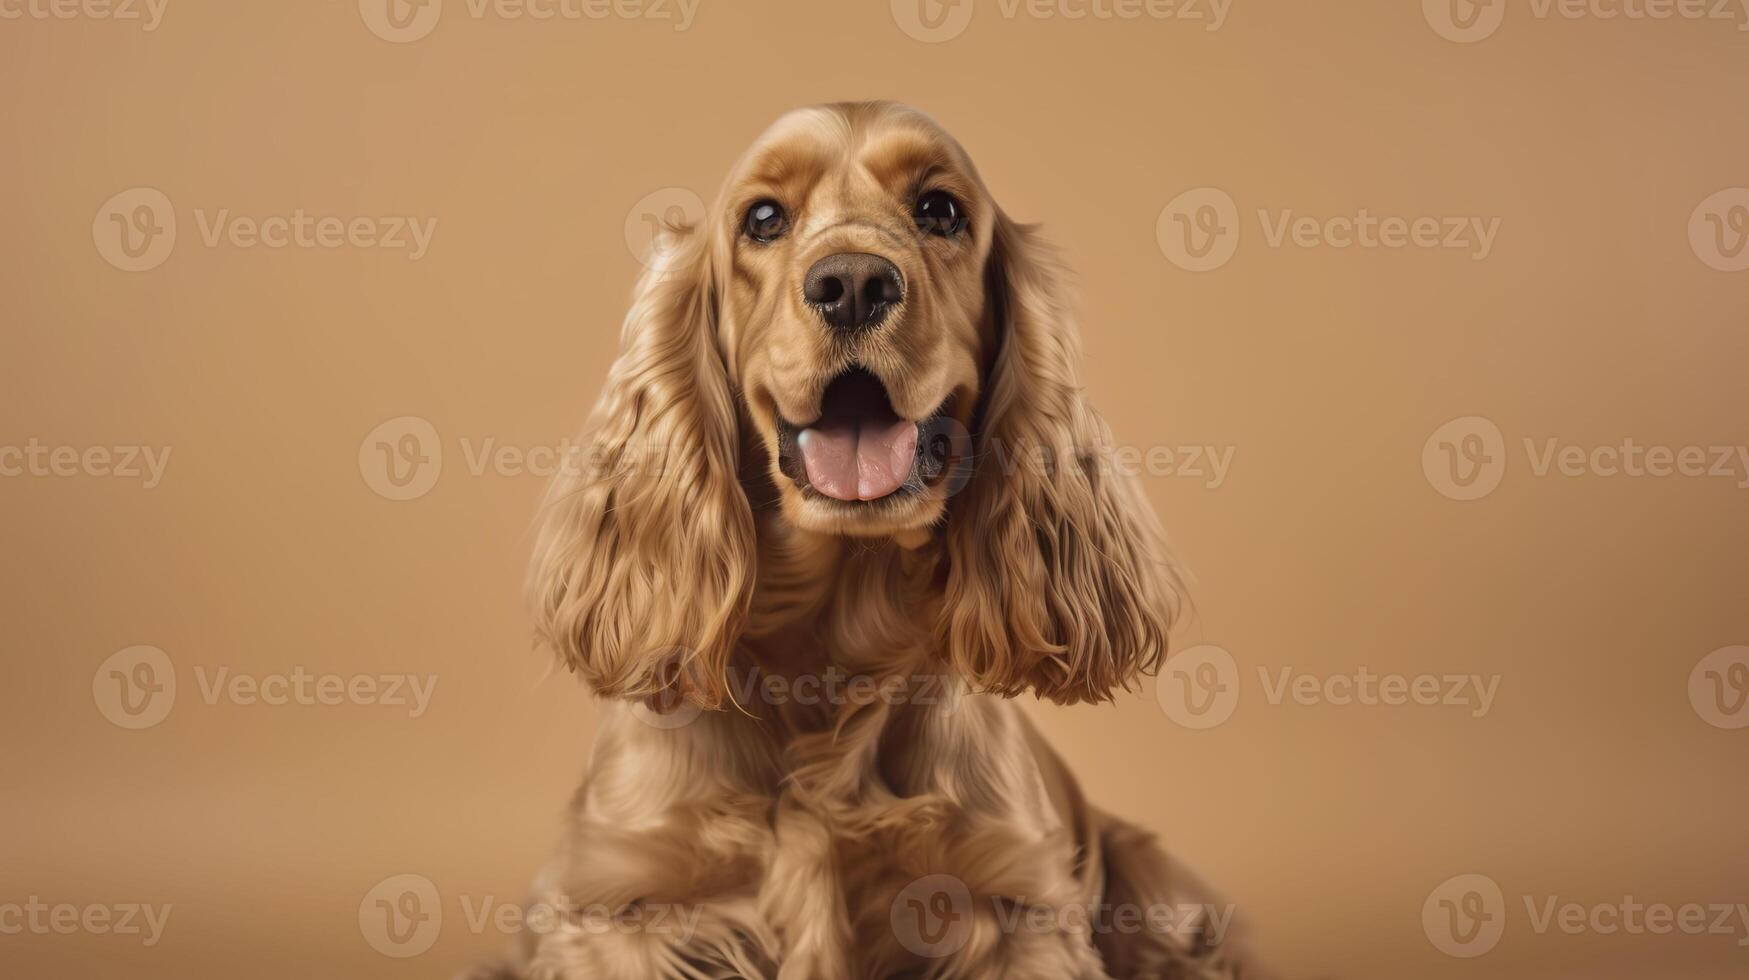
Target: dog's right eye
<point x="766" y="221"/>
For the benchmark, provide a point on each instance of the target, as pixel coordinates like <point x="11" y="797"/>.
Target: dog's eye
<point x="766" y="221"/>
<point x="939" y="214"/>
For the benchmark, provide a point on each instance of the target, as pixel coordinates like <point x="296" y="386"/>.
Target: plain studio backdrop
<point x="299" y="301"/>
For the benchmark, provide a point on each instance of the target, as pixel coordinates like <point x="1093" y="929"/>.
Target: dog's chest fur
<point x="855" y="765"/>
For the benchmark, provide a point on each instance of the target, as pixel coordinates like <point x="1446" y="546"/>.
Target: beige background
<point x="1327" y="549"/>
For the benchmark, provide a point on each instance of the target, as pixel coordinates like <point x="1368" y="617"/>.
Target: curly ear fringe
<point x="642" y="570"/>
<point x="1058" y="581"/>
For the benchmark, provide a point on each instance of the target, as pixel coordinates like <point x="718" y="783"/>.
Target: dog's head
<point x="857" y="337"/>
<point x="856" y="317"/>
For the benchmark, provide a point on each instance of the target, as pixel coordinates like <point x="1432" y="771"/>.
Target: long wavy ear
<point x="643" y="563"/>
<point x="1058" y="580"/>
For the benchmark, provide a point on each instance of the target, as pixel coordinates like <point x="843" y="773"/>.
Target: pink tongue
<point x="858" y="461"/>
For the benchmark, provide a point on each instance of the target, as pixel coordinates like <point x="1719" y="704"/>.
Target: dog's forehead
<point x="891" y="143"/>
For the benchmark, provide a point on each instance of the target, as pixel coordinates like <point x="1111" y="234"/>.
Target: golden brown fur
<point x="680" y="559"/>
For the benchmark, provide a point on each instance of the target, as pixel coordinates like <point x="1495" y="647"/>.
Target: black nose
<point x="853" y="289"/>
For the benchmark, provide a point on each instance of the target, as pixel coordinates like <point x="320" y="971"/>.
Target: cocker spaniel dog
<point x="843" y="500"/>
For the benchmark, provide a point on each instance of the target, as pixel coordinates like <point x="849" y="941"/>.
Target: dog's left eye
<point x="939" y="214"/>
<point x="766" y="221"/>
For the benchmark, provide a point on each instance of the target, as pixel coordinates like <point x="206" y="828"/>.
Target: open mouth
<point x="859" y="450"/>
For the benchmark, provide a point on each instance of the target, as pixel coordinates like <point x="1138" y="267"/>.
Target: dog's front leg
<point x="1187" y="931"/>
<point x="659" y="873"/>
